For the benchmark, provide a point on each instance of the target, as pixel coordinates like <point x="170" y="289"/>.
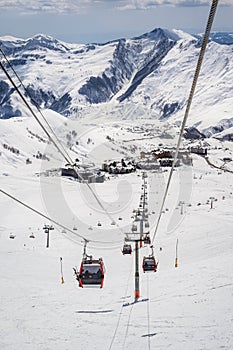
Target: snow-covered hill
<point x="188" y="307"/>
<point x="147" y="76"/>
<point x="225" y="38"/>
<point x="122" y="98"/>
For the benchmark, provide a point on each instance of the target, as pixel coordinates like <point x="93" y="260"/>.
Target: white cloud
<point x="77" y="6"/>
<point x="146" y="4"/>
<point x="48" y="6"/>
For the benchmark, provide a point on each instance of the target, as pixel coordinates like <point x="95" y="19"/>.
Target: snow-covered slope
<point x="225" y="38"/>
<point x="189" y="307"/>
<point x="165" y="91"/>
<point x="152" y="72"/>
<point x="124" y="97"/>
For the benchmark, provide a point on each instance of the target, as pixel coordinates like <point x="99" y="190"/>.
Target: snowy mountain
<point x="122" y="98"/>
<point x="224" y="38"/>
<point x="152" y="72"/>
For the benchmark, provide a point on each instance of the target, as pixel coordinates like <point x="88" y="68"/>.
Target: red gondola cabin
<point x="91" y="273"/>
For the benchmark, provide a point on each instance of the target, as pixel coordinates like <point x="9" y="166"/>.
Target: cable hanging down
<point x="60" y="148"/>
<point x="191" y="94"/>
<point x="33" y="113"/>
<point x="35" y="104"/>
<point x="56" y="222"/>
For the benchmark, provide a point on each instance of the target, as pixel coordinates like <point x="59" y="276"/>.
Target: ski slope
<point x="189" y="307"/>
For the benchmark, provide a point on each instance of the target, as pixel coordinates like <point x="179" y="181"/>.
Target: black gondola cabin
<point x="127" y="249"/>
<point x="149" y="264"/>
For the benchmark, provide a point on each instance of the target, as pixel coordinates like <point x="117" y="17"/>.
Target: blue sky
<point x="83" y="21"/>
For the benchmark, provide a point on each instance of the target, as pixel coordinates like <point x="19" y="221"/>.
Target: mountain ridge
<point x="152" y="71"/>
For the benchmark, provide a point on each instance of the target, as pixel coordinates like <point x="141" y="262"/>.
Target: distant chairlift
<point x="91" y="272"/>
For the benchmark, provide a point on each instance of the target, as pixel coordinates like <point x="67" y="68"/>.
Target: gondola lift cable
<point x="191" y="94"/>
<point x="65" y="156"/>
<point x="204" y="44"/>
<point x="59" y="224"/>
<point x="31" y="110"/>
<point x="36" y="105"/>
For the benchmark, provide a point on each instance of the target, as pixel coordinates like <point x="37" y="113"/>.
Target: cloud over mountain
<point x="77" y="6"/>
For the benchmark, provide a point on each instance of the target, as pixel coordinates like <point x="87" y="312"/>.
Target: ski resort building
<point x="83" y="176"/>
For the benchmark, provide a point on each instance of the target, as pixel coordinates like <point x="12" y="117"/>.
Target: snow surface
<point x="189" y="307"/>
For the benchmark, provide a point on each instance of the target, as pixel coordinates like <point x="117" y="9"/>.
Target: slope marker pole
<point x="176" y="261"/>
<point x="62" y="278"/>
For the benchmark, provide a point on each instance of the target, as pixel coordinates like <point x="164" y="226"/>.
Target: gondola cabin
<point x="91" y="273"/>
<point x="149" y="264"/>
<point x="147" y="239"/>
<point x="127" y="249"/>
<point x="147" y="224"/>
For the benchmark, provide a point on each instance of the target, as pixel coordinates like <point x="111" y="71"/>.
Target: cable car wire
<point x="148" y="313"/>
<point x="56" y="222"/>
<point x="33" y="113"/>
<point x="65" y="156"/>
<point x="191" y="94"/>
<point x="127" y="327"/>
<point x="36" y="105"/>
<point x="122" y="307"/>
